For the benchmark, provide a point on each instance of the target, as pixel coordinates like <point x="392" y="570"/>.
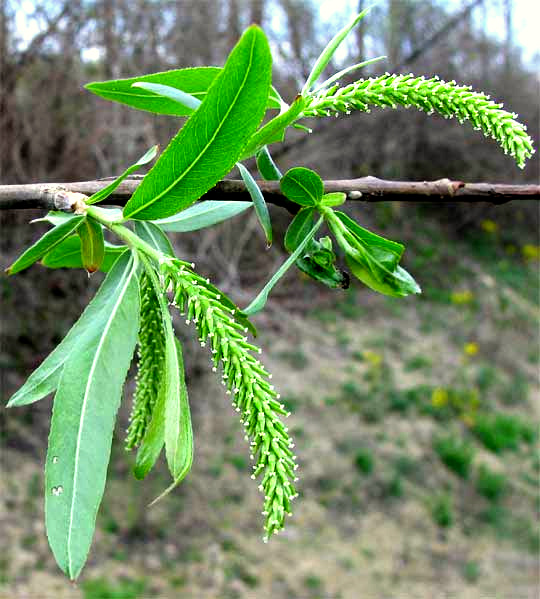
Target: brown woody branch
<point x="365" y="189"/>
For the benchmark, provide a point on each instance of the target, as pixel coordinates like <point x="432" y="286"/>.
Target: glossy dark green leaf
<point x="398" y="283"/>
<point x="107" y="191"/>
<point x="154" y="235"/>
<point x="45" y="244"/>
<point x="299" y="228"/>
<point x="302" y="186"/>
<point x="44" y="379"/>
<point x="92" y="244"/>
<point x="259" y="202"/>
<point x="267" y="167"/>
<point x="194" y="81"/>
<point x="68" y="255"/>
<point x="82" y="424"/>
<point x="202" y="215"/>
<point x="209" y="144"/>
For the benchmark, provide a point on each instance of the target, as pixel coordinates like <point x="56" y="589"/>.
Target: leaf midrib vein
<point x="202" y="152"/>
<point x="126" y="281"/>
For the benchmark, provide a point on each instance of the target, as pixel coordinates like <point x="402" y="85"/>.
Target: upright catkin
<point x="151" y="360"/>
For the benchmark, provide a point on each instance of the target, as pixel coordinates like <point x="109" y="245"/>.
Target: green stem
<point x="340" y="232"/>
<point x="125" y="234"/>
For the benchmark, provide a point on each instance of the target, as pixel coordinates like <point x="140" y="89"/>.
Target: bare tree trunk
<point x="509" y="41"/>
<point x="233" y="19"/>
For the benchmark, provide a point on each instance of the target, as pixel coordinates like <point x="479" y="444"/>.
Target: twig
<point x="365" y="189"/>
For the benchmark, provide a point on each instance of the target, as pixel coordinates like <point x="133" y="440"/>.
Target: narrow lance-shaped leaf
<point x="260" y="301"/>
<point x="299" y="228"/>
<point x="107" y="191"/>
<point x="68" y="255"/>
<point x="267" y="167"/>
<point x="328" y="52"/>
<point x="202" y="215"/>
<point x="92" y="244"/>
<point x="83" y="418"/>
<point x="45" y="244"/>
<point x="44" y="379"/>
<point x="259" y="202"/>
<point x="209" y="144"/>
<point x="152" y="234"/>
<point x="194" y="81"/>
<point x="302" y="186"/>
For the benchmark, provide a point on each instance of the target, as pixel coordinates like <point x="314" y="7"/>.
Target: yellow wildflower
<point x="470" y="349"/>
<point x="373" y="358"/>
<point x="489" y="226"/>
<point x="462" y="297"/>
<point x="531" y="252"/>
<point x="439" y="397"/>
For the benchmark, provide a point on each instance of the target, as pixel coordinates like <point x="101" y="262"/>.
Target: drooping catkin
<point x="151" y="354"/>
<point x="430" y="95"/>
<point x="222" y="327"/>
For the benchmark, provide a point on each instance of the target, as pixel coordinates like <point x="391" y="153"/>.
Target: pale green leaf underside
<point x="209" y="144"/>
<point x="259" y="202"/>
<point x="202" y="215"/>
<point x="44" y="379"/>
<point x="82" y="425"/>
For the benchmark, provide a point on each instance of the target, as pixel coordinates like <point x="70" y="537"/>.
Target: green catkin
<point x="221" y="327"/>
<point x="430" y="95"/>
<point x="151" y="354"/>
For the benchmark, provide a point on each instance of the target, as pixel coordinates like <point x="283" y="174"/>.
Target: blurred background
<point x="415" y="420"/>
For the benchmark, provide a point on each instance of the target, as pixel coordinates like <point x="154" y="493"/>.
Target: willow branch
<point x="366" y="189"/>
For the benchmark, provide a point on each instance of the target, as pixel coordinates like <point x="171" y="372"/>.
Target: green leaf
<point x="260" y="301"/>
<point x="346" y="71"/>
<point x="210" y="143"/>
<point x="328" y="52"/>
<point x="178" y="431"/>
<point x="194" y="81"/>
<point x="92" y="244"/>
<point x="299" y="228"/>
<point x="44" y="379"/>
<point x="152" y="234"/>
<point x="335" y="198"/>
<point x="55" y="218"/>
<point x="259" y="202"/>
<point x="302" y="186"/>
<point x="68" y="255"/>
<point x="274" y="130"/>
<point x="318" y="262"/>
<point x="154" y="438"/>
<point x="177" y="95"/>
<point x="202" y="215"/>
<point x="83" y="419"/>
<point x="372" y="259"/>
<point x="107" y="191"/>
<point x="267" y="167"/>
<point x="398" y="283"/>
<point x="45" y="244"/>
<point x="389" y="252"/>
